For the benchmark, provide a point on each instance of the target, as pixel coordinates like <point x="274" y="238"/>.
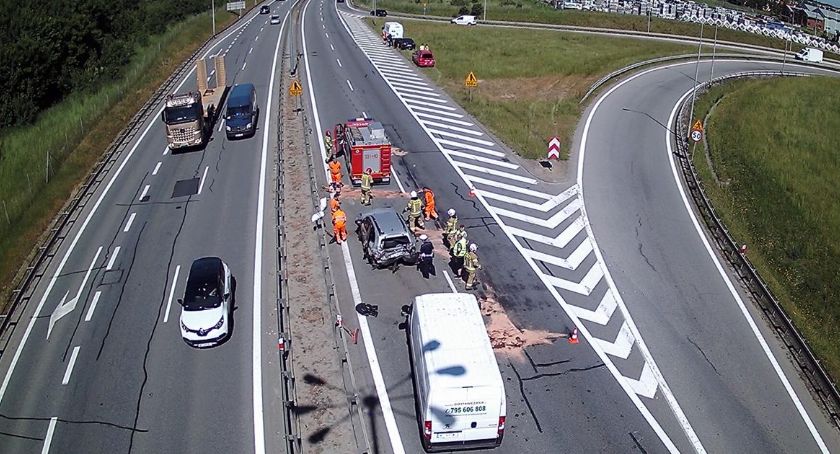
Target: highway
<point x="99" y="364"/>
<point x="668" y="361"/>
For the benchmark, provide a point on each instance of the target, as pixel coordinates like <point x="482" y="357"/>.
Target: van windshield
<point x="239" y="112"/>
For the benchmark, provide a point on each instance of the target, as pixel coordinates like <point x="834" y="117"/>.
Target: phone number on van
<point x="478" y="409"/>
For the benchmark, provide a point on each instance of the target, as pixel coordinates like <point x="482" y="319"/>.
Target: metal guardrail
<point x="815" y="375"/>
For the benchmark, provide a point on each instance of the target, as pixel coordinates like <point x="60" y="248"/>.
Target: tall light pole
<point x="485" y="11"/>
<point x="213" y="15"/>
<point x="696" y="72"/>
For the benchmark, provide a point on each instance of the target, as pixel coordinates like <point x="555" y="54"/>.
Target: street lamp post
<point x="648" y="14"/>
<point x="696" y="72"/>
<point x="485" y="11"/>
<point x="213" y="14"/>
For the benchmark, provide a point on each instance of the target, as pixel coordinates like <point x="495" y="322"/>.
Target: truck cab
<point x="184" y="119"/>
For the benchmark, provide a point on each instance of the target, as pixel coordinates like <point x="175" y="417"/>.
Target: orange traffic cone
<point x="573" y="337"/>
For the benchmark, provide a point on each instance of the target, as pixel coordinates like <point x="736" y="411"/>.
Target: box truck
<point x="459" y="392"/>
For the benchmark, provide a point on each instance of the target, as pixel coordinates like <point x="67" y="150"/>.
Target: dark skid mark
<point x="525" y="397"/>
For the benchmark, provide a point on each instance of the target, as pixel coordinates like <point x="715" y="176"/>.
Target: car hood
<point x="206" y="318"/>
<point x="238" y="122"/>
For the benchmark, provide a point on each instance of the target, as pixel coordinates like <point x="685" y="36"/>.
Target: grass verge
<point x="42" y="163"/>
<point x="527" y="93"/>
<point x="775" y="184"/>
<point x="539" y="12"/>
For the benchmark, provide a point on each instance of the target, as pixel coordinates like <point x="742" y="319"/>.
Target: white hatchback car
<point x="207" y="303"/>
<point x="463" y="20"/>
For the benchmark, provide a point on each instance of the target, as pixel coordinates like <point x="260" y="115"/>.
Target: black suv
<point x="379" y="13"/>
<point x="265" y="9"/>
<point x="404" y="44"/>
<point x="386" y="240"/>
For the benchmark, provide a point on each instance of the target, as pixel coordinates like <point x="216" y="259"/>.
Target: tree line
<point x="51" y="48"/>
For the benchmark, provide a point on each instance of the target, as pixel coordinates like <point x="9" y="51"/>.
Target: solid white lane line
<point x="92" y="307"/>
<point x="165" y="150"/>
<point x="70" y="365"/>
<point x="49" y="436"/>
<point x="157" y="167"/>
<point x="203" y="177"/>
<point x="735" y="295"/>
<point x="370" y="350"/>
<point x="144" y="193"/>
<point x="256" y="323"/>
<point x="350" y="85"/>
<point x="130" y="221"/>
<point x="113" y="258"/>
<point x="339" y="63"/>
<point x="80" y="232"/>
<point x="171" y="294"/>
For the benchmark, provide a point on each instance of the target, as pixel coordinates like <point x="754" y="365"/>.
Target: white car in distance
<point x="207" y="303"/>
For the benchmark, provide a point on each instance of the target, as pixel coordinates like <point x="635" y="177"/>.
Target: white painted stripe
<point x="364" y="115"/>
<point x="561" y="240"/>
<point x="391" y="74"/>
<point x="621" y="346"/>
<point x="70" y="364"/>
<point x="113" y="258"/>
<point x="495" y="162"/>
<point x="427" y="109"/>
<point x="510" y="187"/>
<point x="583" y="287"/>
<point x="392" y="64"/>
<point x="646" y="384"/>
<point x="221" y="125"/>
<point x="543" y="207"/>
<point x="412" y="103"/>
<point x="203" y="177"/>
<point x="171" y="294"/>
<point x="130" y="221"/>
<point x="422" y="93"/>
<point x="486" y="143"/>
<point x="602" y="314"/>
<point x="449" y="281"/>
<point x="549" y="223"/>
<point x="92" y="307"/>
<point x="571" y="263"/>
<point x="370" y="350"/>
<point x="350" y="85"/>
<point x="450" y="120"/>
<point x="456" y="128"/>
<point x="166" y="150"/>
<point x="424" y="97"/>
<point x="413" y="84"/>
<point x="489" y="171"/>
<point x="49" y="436"/>
<point x="735" y="295"/>
<point x="244" y="65"/>
<point x="332" y="47"/>
<point x="256" y="323"/>
<point x="250" y="50"/>
<point x="157" y="167"/>
<point x="144" y="193"/>
<point x="339" y="63"/>
<point x="457" y="146"/>
<point x="327" y="35"/>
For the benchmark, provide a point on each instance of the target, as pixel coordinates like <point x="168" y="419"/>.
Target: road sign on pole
<point x="554" y="148"/>
<point x="235" y="6"/>
<point x="471" y="81"/>
<point x="697" y="131"/>
<point x="295" y="89"/>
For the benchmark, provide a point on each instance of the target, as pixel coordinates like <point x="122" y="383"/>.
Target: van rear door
<point x="465" y="415"/>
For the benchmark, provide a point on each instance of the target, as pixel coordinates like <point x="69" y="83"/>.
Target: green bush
<point x="463" y="10"/>
<point x="477" y="9"/>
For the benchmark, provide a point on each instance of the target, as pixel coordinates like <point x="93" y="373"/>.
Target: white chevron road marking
<point x="414" y="84"/>
<point x="585" y="286"/>
<point x="602" y="314"/>
<point x="571" y="263"/>
<point x="460" y="137"/>
<point x="510" y="187"/>
<point x="473" y="157"/>
<point x="544" y="207"/>
<point x="455" y="128"/>
<point x="551" y="222"/>
<point x="621" y="346"/>
<point x="457" y="146"/>
<point x="449" y="120"/>
<point x="412" y="103"/>
<point x="561" y="240"/>
<point x="646" y="385"/>
<point x="498" y="173"/>
<point x="414" y="109"/>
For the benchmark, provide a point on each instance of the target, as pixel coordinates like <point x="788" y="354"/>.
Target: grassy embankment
<point x="777" y="187"/>
<point x="540" y="12"/>
<point x="42" y="163"/>
<point x="527" y="93"/>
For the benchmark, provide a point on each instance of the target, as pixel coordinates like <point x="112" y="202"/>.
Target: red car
<point x="423" y="58"/>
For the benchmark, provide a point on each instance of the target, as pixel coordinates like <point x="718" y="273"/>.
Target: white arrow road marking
<point x="572" y="263"/>
<point x="646" y="385"/>
<point x="544" y="207"/>
<point x="67" y="307"/>
<point x="585" y="286"/>
<point x="561" y="240"/>
<point x="602" y="314"/>
<point x="622" y="344"/>
<point x="549" y="223"/>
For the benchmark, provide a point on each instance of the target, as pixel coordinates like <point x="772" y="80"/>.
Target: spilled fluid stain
<point x="505" y="336"/>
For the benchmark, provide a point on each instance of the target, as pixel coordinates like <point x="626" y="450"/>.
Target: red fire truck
<point x="364" y="145"/>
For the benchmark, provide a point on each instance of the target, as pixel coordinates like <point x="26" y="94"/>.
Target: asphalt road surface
<point x="102" y="367"/>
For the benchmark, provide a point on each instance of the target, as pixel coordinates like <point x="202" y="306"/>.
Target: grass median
<point x="42" y="163"/>
<point x="530" y="81"/>
<point x="543" y="13"/>
<point x="774" y="178"/>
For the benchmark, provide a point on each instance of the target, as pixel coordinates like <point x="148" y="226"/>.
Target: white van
<point x="458" y="388"/>
<point x="463" y="20"/>
<point x="810" y="54"/>
<point x="395" y="29"/>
